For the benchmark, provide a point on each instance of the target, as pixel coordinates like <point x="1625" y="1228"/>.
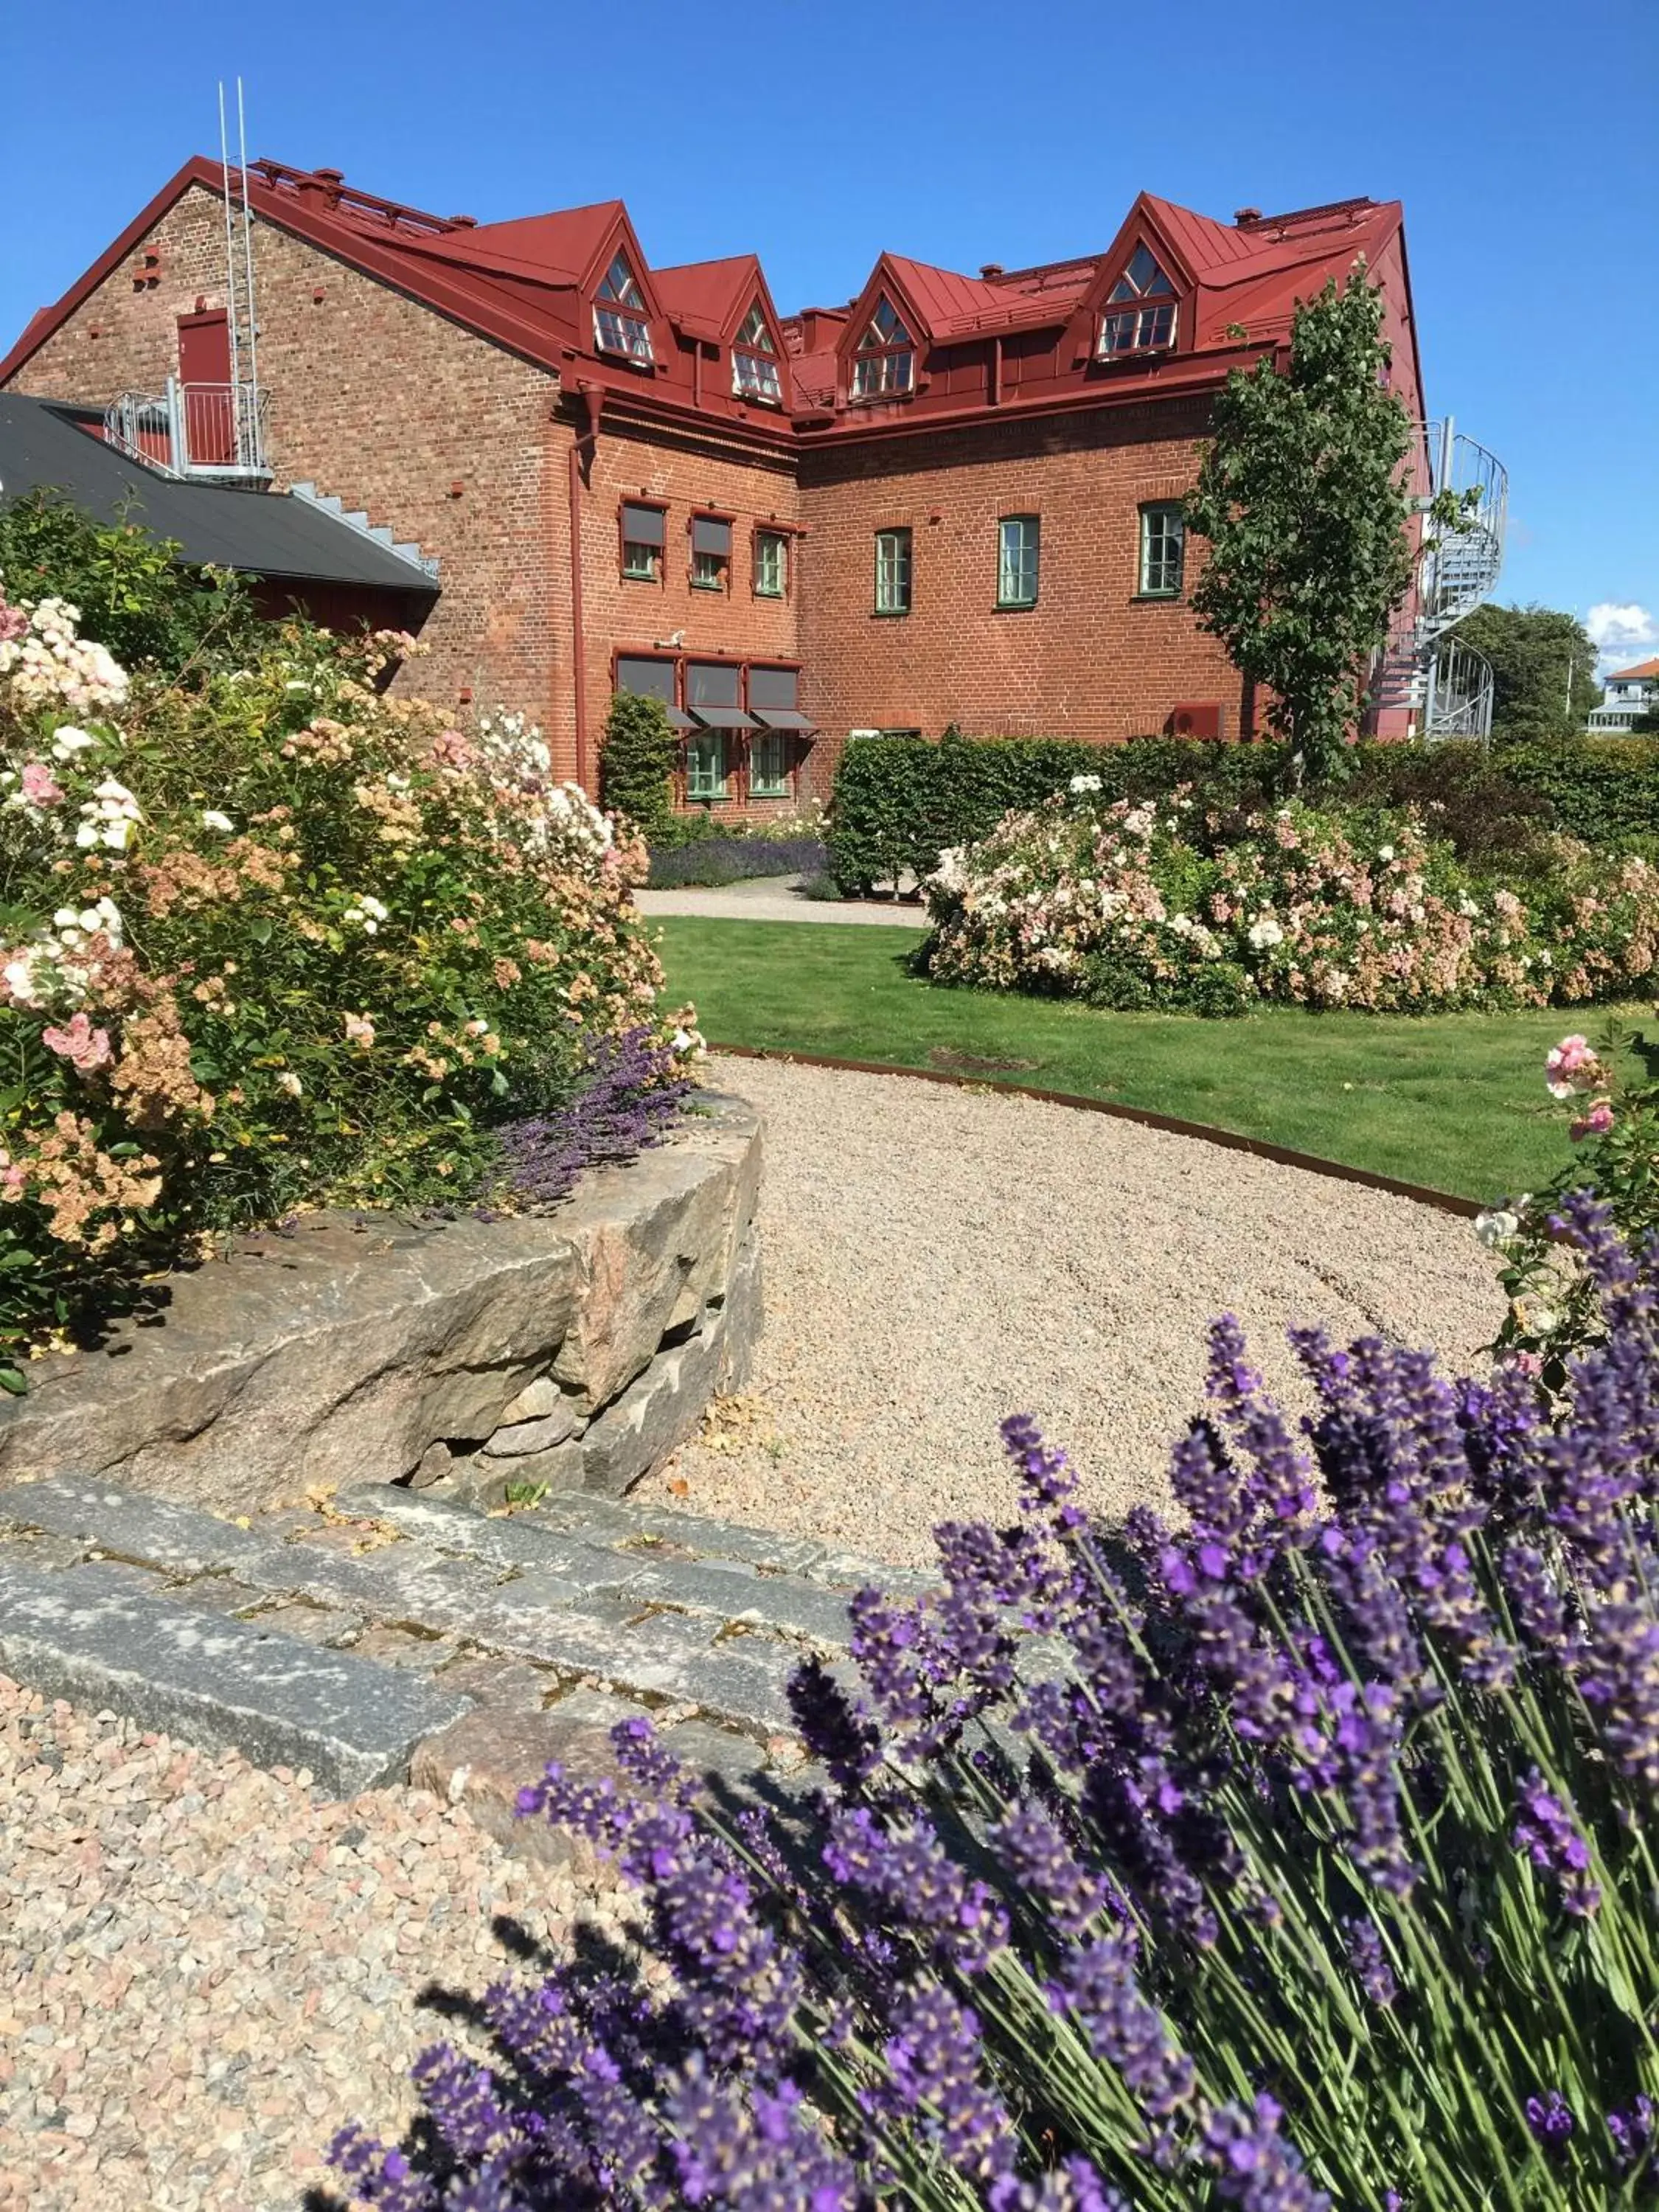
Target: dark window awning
<point x="724" y="718"/>
<point x="643" y="525"/>
<point x="709" y="536"/>
<point x="783" y="718"/>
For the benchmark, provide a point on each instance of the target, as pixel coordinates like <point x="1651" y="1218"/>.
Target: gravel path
<point x="936" y="1259"/>
<point x="204" y="1974"/>
<point x="774" y="898"/>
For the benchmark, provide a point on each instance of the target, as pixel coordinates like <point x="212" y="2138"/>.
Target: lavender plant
<point x="633" y="1086"/>
<point x="1299" y="1854"/>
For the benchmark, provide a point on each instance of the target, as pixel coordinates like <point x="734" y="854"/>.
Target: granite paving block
<point x="623" y="1520"/>
<point x="180" y="1537"/>
<point x="731" y="1592"/>
<point x="84" y="1634"/>
<point x="517" y="1540"/>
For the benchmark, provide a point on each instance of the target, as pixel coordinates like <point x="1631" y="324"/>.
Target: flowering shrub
<point x="273" y="940"/>
<point x="1160" y="904"/>
<point x="1297" y="1856"/>
<point x="1612" y="1118"/>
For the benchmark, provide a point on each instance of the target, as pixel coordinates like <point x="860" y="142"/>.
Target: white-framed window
<point x="1017" y="560"/>
<point x="771" y="564"/>
<point x="885" y="362"/>
<point x="619" y="315"/>
<point x="892" y="572"/>
<point x="1140" y="310"/>
<point x="754" y="361"/>
<point x="1162" y="550"/>
<point x="706" y="773"/>
<point x="768" y="765"/>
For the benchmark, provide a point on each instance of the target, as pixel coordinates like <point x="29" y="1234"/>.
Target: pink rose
<point x="359" y="1032"/>
<point x="1596" y="1123"/>
<point x="87" y="1049"/>
<point x="1570" y="1066"/>
<point x="41" y="787"/>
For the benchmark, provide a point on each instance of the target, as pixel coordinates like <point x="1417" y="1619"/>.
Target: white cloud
<point x="1621" y="631"/>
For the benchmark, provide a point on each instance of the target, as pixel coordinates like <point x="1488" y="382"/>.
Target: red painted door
<point x="208" y="402"/>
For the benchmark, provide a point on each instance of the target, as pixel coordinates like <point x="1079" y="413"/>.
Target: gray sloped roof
<point x="263" y="533"/>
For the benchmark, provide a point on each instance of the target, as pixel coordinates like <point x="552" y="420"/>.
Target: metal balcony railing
<point x="203" y="430"/>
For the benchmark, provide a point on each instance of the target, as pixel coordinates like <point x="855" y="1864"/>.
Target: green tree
<point x="1535" y="652"/>
<point x="135" y="596"/>
<point x="1305" y="504"/>
<point x="636" y="763"/>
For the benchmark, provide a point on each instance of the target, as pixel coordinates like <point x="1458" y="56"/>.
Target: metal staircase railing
<point x="1445" y="684"/>
<point x="209" y="430"/>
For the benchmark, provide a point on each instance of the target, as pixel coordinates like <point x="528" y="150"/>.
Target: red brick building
<point x="950" y="500"/>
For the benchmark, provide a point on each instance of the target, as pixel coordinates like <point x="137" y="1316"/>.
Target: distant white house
<point x="1629" y="694"/>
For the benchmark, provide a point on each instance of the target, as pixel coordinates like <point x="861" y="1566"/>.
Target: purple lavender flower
<point x="1632" y="2133"/>
<point x="1546" y="1834"/>
<point x="1370" y="1962"/>
<point x="1040" y="1860"/>
<point x="1550" y="2118"/>
<point x="934" y="2079"/>
<point x="909" y="1872"/>
<point x="633" y="1089"/>
<point x="1253" y="2164"/>
<point x="1099" y="1988"/>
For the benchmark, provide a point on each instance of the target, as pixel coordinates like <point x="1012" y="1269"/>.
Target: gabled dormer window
<point x="754" y="361"/>
<point x="1140" y="313"/>
<point x="886" y="360"/>
<point x="619" y="314"/>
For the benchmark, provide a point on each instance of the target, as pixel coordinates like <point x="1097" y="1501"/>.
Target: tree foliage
<point x="1532" y="649"/>
<point x="637" y="764"/>
<point x="1302" y="498"/>
<point x="134" y="595"/>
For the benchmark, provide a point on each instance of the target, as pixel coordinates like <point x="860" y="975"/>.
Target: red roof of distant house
<point x="1644" y="670"/>
<point x="526" y="282"/>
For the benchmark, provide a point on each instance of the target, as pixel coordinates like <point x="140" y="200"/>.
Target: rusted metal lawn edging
<point x="1226" y="1139"/>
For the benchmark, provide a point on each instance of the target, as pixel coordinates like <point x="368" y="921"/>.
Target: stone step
<point x="87" y="1634"/>
<point x="727" y="1589"/>
<point x="582" y="1609"/>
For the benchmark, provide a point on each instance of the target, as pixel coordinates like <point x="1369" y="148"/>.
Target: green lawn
<point x="1454" y="1101"/>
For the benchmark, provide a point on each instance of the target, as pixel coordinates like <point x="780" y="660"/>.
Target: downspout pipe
<point x="590" y="400"/>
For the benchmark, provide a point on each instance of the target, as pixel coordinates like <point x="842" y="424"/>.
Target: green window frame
<point x="771" y="564"/>
<point x="893" y="572"/>
<point x="1162" y="550"/>
<point x="706" y="772"/>
<point x="768" y="765"/>
<point x="1018" y="541"/>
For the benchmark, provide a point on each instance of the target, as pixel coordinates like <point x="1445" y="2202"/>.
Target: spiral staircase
<point x="1425" y="669"/>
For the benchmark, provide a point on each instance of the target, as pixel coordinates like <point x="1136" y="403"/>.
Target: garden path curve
<point x="937" y="1258"/>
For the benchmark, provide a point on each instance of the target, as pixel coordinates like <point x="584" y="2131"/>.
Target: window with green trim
<point x="1162" y="550"/>
<point x="892" y="572"/>
<point x="768" y="765"/>
<point x="705" y="765"/>
<point x="771" y="564"/>
<point x="1016" y="560"/>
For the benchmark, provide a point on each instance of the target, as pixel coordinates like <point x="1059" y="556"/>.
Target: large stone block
<point x="220" y="1683"/>
<point x="343" y="1350"/>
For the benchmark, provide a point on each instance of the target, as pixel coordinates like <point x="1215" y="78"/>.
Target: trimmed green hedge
<point x="899" y="802"/>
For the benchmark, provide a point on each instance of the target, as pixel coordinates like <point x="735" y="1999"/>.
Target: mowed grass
<point x="1453" y="1100"/>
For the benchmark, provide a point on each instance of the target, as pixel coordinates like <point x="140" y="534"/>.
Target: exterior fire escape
<point x="211" y="432"/>
<point x="1425" y="668"/>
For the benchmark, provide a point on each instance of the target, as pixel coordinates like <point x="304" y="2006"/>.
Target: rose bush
<point x="1161" y="904"/>
<point x="275" y="939"/>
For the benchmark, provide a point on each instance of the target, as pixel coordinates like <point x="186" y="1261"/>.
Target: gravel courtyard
<point x="938" y="1258"/>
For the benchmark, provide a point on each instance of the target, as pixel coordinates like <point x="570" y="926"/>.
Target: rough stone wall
<point x="1090" y="660"/>
<point x="384" y="402"/>
<point x="573" y="1352"/>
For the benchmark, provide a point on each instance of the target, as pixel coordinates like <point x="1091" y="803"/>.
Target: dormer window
<point x="754" y="361"/>
<point x="1141" y="313"/>
<point x="619" y="314"/>
<point x="886" y="360"/>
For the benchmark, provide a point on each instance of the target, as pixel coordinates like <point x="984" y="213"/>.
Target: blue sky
<point x="1524" y="139"/>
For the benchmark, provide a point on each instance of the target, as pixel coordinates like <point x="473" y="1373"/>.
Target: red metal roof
<point x="1644" y="671"/>
<point x="524" y="283"/>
